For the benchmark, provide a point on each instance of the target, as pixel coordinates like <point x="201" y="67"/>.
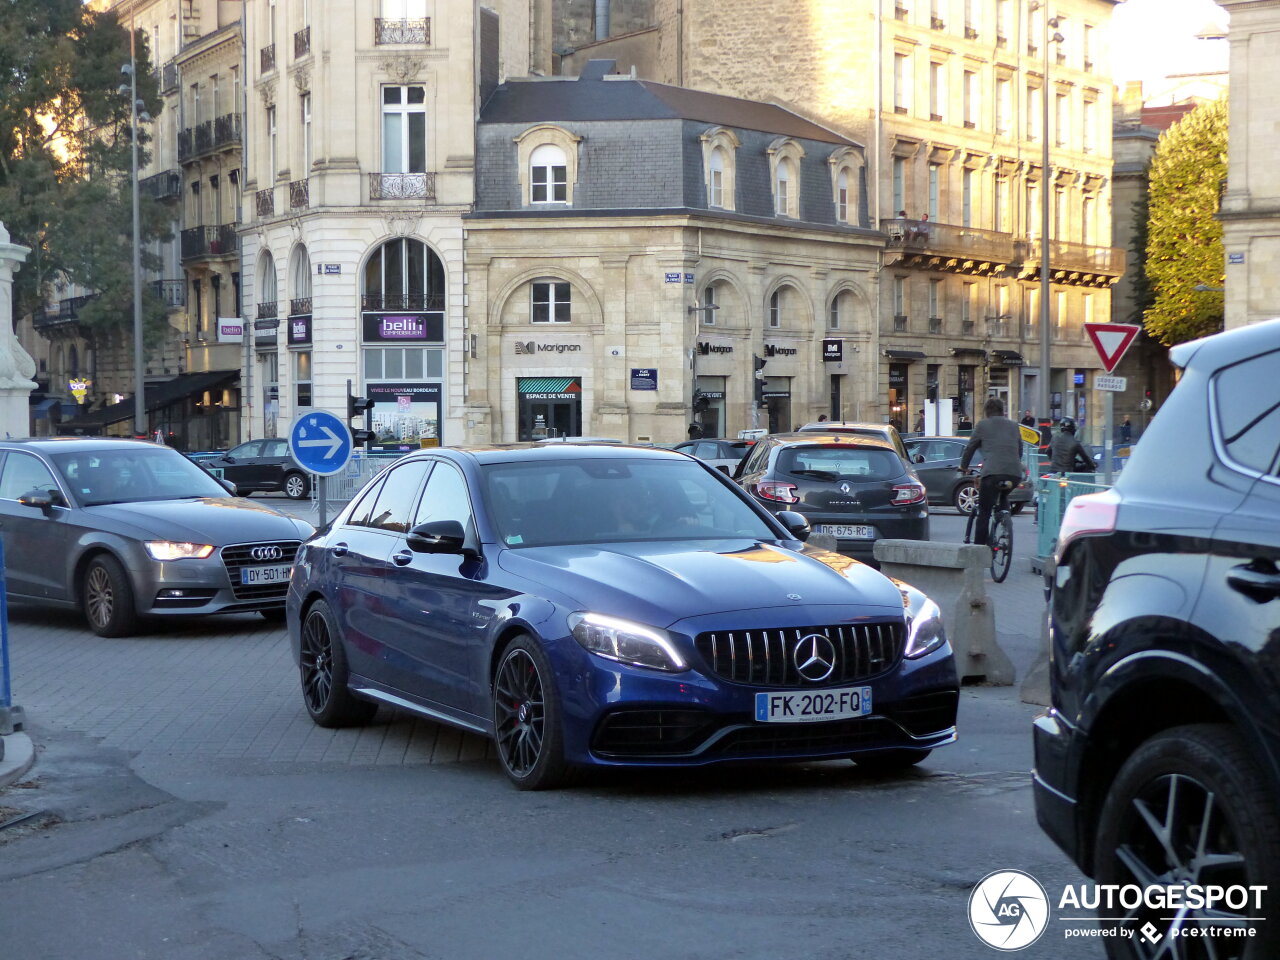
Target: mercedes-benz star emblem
<point x="815" y="657"/>
<point x="267" y="553"/>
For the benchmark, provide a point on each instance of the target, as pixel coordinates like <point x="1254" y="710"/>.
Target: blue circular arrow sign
<point x="320" y="442"/>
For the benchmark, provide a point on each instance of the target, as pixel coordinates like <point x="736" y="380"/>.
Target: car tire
<point x="106" y="598"/>
<point x="323" y="671"/>
<point x="889" y="761"/>
<point x="527" y="719"/>
<point x="295" y="485"/>
<point x="965" y="497"/>
<point x="1223" y="810"/>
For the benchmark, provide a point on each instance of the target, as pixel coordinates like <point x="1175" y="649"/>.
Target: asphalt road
<point x="188" y="809"/>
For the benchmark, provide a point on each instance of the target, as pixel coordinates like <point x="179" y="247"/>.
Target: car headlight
<point x="170" y="550"/>
<point x="925" y="632"/>
<point x="626" y="642"/>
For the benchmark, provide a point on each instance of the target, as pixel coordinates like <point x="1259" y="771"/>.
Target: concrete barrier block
<point x="953" y="575"/>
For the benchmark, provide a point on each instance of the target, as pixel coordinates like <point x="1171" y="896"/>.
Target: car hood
<point x="665" y="582"/>
<point x="216" y="520"/>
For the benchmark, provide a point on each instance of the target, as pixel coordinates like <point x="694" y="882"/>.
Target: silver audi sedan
<point x="123" y="529"/>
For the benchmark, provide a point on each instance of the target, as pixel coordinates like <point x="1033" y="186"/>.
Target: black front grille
<point x="766" y="658"/>
<point x="626" y="733"/>
<point x="236" y="557"/>
<point x="834" y="737"/>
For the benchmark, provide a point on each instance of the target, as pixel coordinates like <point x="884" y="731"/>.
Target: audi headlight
<point x="925" y="632"/>
<point x="626" y="642"/>
<point x="170" y="550"/>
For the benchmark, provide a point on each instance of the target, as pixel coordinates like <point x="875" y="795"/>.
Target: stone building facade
<point x="632" y="262"/>
<point x="947" y="94"/>
<point x="1251" y="198"/>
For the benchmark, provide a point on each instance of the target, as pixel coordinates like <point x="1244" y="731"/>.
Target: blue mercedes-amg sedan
<point x="611" y="605"/>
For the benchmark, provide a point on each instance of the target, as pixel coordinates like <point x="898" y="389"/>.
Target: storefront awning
<point x="548" y="384"/>
<point x="159" y="395"/>
<point x="969" y="352"/>
<point x="1009" y="358"/>
<point x="905" y="355"/>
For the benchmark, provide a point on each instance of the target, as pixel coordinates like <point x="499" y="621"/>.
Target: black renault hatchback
<point x="854" y="488"/>
<point x="1158" y="765"/>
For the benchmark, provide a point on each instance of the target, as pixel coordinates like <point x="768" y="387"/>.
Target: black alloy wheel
<point x="1189" y="807"/>
<point x="295" y="485"/>
<point x="322" y="664"/>
<point x="1001" y="548"/>
<point x="526" y="718"/>
<point x="106" y="597"/>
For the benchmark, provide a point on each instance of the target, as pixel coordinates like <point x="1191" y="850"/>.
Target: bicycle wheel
<point x="1001" y="541"/>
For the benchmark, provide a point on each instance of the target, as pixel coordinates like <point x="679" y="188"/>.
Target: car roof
<point x="819" y="425"/>
<point x="525" y="452"/>
<point x="49" y="445"/>
<point x="1220" y="349"/>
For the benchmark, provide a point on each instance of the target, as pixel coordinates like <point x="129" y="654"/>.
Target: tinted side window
<point x="397" y="497"/>
<point x="1249" y="411"/>
<point x="251" y="449"/>
<point x="363" y="510"/>
<point x="445" y="497"/>
<point x="759" y="456"/>
<point x="275" y="448"/>
<point x="22" y="474"/>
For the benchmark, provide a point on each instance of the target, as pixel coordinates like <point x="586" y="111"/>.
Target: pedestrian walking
<point x="1126" y="431"/>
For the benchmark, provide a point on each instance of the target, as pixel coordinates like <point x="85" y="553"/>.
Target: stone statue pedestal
<point x="17" y="369"/>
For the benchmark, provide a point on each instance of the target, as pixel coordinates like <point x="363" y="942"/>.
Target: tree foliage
<point x="1184" y="241"/>
<point x="65" y="166"/>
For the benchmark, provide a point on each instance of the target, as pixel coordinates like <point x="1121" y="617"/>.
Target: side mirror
<point x="918" y="458"/>
<point x="230" y="487"/>
<point x="796" y="523"/>
<point x="438" y="536"/>
<point x="44" y="500"/>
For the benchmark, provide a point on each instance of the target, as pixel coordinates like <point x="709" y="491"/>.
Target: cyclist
<point x="1066" y="453"/>
<point x="1001" y="444"/>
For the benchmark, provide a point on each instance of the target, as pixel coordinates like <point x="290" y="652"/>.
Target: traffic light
<point x="355" y="407"/>
<point x="758" y="363"/>
<point x="700" y="401"/>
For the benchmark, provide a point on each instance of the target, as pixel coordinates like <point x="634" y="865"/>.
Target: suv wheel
<point x="966" y="497"/>
<point x="1188" y="807"/>
<point x="295" y="486"/>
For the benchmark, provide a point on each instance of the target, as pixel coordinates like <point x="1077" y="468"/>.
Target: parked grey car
<point x="936" y="460"/>
<point x="126" y="528"/>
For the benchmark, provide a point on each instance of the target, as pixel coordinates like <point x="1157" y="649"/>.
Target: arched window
<point x="299" y="281"/>
<point x="404" y="274"/>
<point x="267" y="306"/>
<point x="783" y="187"/>
<point x="842" y="197"/>
<point x="715" y="188"/>
<point x="784" y="163"/>
<point x="548" y="175"/>
<point x="709" y="305"/>
<point x="775" y="308"/>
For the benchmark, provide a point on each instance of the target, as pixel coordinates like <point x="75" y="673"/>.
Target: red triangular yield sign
<point x="1111" y="340"/>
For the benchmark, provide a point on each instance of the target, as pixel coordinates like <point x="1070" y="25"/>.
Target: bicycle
<point x="999" y="532"/>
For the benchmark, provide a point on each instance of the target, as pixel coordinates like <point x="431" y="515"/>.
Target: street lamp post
<point x="139" y="383"/>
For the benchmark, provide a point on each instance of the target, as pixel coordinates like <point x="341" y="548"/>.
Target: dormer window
<point x="784" y="163"/>
<point x="782" y="189"/>
<point x="718" y="158"/>
<point x="846" y="166"/>
<point x="548" y="175"/>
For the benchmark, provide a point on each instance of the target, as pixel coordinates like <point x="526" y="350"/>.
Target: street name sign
<point x="1111" y="340"/>
<point x="320" y="442"/>
<point x="1115" y="384"/>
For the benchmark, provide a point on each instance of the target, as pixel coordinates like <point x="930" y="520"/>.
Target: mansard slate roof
<point x="591" y="97"/>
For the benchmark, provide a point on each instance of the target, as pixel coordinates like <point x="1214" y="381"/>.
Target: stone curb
<point x="16" y="758"/>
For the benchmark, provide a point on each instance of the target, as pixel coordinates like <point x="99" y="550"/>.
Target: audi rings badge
<point x="263" y="554"/>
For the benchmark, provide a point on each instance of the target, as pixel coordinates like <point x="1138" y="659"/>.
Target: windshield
<point x="535" y="504"/>
<point x="133" y="474"/>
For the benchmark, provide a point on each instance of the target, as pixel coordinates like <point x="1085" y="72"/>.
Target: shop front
<point x="402" y="356"/>
<point x="549" y="407"/>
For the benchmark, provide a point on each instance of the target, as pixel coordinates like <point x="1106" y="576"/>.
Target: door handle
<point x="402" y="558"/>
<point x="1255" y="583"/>
<point x="340" y="549"/>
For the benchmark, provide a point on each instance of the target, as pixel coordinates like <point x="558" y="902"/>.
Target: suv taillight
<point x="1092" y="513"/>
<point x="777" y="490"/>
<point x="907" y="493"/>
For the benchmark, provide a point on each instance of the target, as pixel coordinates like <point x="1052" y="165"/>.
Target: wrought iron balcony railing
<point x="300" y="307"/>
<point x="900" y="323"/>
<point x="299" y="194"/>
<point x="269" y="310"/>
<point x="935" y="324"/>
<point x="925" y="237"/>
<point x="402" y="301"/>
<point x="302" y="42"/>
<point x="402" y="186"/>
<point x="209" y="241"/>
<point x="66" y="312"/>
<point x="165" y="185"/>
<point x="267" y="58"/>
<point x="266" y="202"/>
<point x="172" y="292"/>
<point x="402" y="31"/>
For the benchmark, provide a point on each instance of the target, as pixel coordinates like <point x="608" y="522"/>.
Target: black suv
<point x="855" y="488"/>
<point x="1158" y="764"/>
